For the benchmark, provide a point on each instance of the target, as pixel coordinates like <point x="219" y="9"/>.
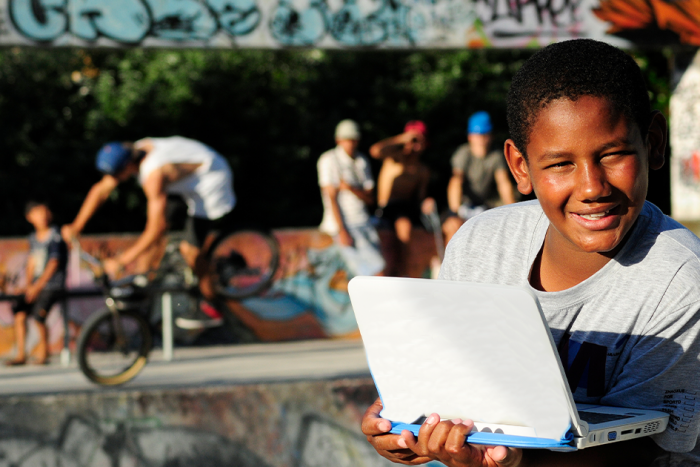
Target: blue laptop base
<point x="498" y="439"/>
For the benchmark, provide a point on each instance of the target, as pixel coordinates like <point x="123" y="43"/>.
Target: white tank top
<point x="208" y="191"/>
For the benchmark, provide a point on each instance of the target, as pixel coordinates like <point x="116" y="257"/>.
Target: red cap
<point x="417" y="126"/>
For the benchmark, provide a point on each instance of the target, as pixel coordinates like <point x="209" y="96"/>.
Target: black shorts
<point x="398" y="209"/>
<point x="195" y="229"/>
<point x="198" y="228"/>
<point x="41" y="305"/>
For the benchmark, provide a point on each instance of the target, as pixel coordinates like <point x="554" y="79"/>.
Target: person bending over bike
<point x="166" y="166"/>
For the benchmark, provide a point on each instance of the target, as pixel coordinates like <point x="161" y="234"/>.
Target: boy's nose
<point x="592" y="183"/>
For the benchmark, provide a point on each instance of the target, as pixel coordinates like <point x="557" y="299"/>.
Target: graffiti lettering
<point x="290" y="22"/>
<point x="44" y="19"/>
<point x="131" y="21"/>
<point x="125" y="21"/>
<point x="294" y="24"/>
<point x="182" y="20"/>
<point x="529" y="17"/>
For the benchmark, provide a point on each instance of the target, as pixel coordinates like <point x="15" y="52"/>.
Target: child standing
<point x="46" y="273"/>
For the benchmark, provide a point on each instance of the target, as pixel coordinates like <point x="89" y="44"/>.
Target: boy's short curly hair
<point x="572" y="69"/>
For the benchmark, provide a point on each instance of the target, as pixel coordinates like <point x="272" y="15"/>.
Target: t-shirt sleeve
<point x="328" y="172"/>
<point x="459" y="158"/>
<point x="663" y="373"/>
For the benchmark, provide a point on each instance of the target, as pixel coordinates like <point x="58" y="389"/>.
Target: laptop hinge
<point x="578" y="426"/>
<point x="583" y="428"/>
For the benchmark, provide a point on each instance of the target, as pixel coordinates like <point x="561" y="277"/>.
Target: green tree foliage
<point x="271" y="113"/>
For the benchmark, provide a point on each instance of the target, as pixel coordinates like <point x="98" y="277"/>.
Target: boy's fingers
<point x="393" y="447"/>
<point x="387" y="442"/>
<point x="428" y="432"/>
<point x="372" y="423"/>
<point x="455" y="446"/>
<point x="505" y="456"/>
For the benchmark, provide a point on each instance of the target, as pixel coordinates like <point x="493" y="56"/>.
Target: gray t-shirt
<point x="628" y="335"/>
<point x="479" y="185"/>
<point x="41" y="251"/>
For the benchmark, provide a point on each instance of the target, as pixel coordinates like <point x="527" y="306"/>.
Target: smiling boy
<point x="617" y="280"/>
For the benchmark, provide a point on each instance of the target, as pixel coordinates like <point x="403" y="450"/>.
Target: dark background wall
<point x="271" y="113"/>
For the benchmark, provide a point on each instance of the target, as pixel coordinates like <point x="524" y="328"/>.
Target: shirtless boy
<point x="611" y="272"/>
<point x="402" y="184"/>
<point x="173" y="165"/>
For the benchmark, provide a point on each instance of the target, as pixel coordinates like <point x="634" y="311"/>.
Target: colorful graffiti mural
<point x="652" y="21"/>
<point x="308" y="298"/>
<point x="344" y="23"/>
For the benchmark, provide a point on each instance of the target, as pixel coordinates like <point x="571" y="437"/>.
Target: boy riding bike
<point x="166" y="166"/>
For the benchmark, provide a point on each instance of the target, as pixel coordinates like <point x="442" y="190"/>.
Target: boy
<point x="347" y="188"/>
<point x="479" y="179"/>
<point x="616" y="278"/>
<point x="46" y="274"/>
<point x="167" y="166"/>
<point x="402" y="185"/>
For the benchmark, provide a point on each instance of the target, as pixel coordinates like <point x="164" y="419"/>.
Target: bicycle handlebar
<point x="96" y="265"/>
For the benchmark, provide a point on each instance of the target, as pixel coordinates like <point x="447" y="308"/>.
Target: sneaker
<point x="206" y="316"/>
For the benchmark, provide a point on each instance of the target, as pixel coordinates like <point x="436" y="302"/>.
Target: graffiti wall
<point x="307" y="299"/>
<point x="343" y="23"/>
<point x="303" y="424"/>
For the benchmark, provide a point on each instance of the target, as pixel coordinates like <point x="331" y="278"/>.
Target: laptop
<point x="482" y="352"/>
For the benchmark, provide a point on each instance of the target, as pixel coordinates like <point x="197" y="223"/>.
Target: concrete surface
<point x="204" y="366"/>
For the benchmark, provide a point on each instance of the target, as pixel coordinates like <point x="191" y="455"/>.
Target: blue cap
<point x="479" y="123"/>
<point x="112" y="158"/>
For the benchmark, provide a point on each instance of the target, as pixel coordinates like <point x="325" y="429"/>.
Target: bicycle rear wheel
<point x="243" y="263"/>
<point x="113" y="347"/>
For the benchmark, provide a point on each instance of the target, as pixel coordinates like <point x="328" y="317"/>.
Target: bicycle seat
<point x="129" y="287"/>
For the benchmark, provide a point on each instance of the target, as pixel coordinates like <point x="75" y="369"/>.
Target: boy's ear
<point x="518" y="167"/>
<point x="656" y="140"/>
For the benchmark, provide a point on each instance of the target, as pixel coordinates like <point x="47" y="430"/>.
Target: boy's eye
<point x="558" y="164"/>
<point x="621" y="153"/>
<point x="613" y="156"/>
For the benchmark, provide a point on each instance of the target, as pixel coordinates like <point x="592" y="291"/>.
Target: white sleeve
<point x="368" y="182"/>
<point x="328" y="171"/>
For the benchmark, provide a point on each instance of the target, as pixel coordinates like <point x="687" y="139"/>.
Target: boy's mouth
<point x="594" y="217"/>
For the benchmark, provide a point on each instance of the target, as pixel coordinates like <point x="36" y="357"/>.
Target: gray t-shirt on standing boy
<point x="628" y="335"/>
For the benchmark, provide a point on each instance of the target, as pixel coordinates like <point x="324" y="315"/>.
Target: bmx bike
<point x="114" y="342"/>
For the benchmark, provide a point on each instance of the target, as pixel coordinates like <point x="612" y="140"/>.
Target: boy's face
<point x="39" y="216"/>
<point x="479" y="143"/>
<point x="588" y="167"/>
<point x="348" y="145"/>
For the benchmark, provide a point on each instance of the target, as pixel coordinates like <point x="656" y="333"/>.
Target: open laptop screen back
<point x="461" y="350"/>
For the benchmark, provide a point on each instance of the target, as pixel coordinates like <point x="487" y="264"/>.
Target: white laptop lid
<point x="463" y="350"/>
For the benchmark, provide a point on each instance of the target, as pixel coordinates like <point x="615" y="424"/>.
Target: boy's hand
<point x="68" y="233"/>
<point x="390" y="446"/>
<point x="413" y="142"/>
<point x="345" y="238"/>
<point x="344" y="186"/>
<point x="112" y="267"/>
<point x="428" y="206"/>
<point x="445" y="442"/>
<point x="31" y="293"/>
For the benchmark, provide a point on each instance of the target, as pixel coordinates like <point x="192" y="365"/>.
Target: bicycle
<point x="114" y="342"/>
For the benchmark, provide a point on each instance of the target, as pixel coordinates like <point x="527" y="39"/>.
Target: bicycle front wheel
<point x="113" y="347"/>
<point x="243" y="263"/>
